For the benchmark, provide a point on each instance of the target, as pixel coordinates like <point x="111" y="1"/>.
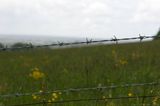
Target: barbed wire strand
<point x="81" y="89"/>
<point x="92" y="99"/>
<point x="114" y="39"/>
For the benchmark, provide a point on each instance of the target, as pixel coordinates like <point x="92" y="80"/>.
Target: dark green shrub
<point x="157" y="35"/>
<point x="20" y="44"/>
<point x="1" y="45"/>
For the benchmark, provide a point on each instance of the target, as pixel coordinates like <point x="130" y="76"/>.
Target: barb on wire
<point x="60" y="43"/>
<point x="90" y="99"/>
<point x="88" y="41"/>
<point x="115" y="39"/>
<point x="141" y="37"/>
<point x="81" y="89"/>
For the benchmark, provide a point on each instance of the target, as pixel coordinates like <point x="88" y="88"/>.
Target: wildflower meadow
<point x="50" y="75"/>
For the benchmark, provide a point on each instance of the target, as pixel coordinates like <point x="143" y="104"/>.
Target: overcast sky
<point x="80" y="18"/>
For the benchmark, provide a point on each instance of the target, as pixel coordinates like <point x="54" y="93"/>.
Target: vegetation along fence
<point x="101" y="94"/>
<point x="99" y="89"/>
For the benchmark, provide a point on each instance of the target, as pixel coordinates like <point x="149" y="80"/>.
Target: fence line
<point x="115" y="39"/>
<point x="81" y="89"/>
<point x="92" y="99"/>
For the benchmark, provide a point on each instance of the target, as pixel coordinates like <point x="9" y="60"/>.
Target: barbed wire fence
<point x="71" y="90"/>
<point x="92" y="99"/>
<point x="82" y="89"/>
<point x="88" y="41"/>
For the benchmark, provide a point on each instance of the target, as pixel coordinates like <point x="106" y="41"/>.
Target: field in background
<point x="94" y="66"/>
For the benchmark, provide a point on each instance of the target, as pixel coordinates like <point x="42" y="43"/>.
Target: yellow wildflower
<point x="103" y="97"/>
<point x="59" y="93"/>
<point x="40" y="91"/>
<point x="34" y="97"/>
<point x="155" y="101"/>
<point x="123" y="62"/>
<point x="130" y="94"/>
<point x="53" y="99"/>
<point x="36" y="74"/>
<point x="55" y="95"/>
<point x="49" y="101"/>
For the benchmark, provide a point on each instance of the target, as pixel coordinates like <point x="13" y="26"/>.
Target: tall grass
<point x="93" y="66"/>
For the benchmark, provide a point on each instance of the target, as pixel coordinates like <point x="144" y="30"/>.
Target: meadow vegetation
<point x="40" y="70"/>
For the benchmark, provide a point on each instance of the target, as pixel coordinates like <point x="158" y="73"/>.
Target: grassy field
<point x="104" y="65"/>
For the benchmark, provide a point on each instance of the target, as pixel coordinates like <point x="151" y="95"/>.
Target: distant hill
<point x="36" y="40"/>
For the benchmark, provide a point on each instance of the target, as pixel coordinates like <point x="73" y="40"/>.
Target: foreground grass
<point x="95" y="66"/>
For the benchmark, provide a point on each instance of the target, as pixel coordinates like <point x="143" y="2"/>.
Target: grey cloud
<point x="147" y="11"/>
<point x="73" y="17"/>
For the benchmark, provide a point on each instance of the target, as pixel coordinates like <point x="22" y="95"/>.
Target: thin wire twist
<point x="81" y="89"/>
<point x="91" y="99"/>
